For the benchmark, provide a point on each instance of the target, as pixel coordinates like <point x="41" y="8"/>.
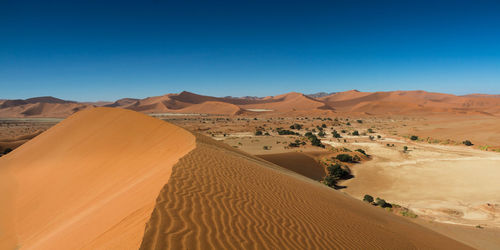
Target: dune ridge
<point x="221" y="198"/>
<point x="89" y="182"/>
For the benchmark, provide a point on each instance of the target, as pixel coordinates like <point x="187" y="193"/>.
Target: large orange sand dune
<point x="103" y="179"/>
<point x="93" y="177"/>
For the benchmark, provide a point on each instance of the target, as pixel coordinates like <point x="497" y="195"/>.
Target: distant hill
<point x="353" y="101"/>
<point x="320" y="94"/>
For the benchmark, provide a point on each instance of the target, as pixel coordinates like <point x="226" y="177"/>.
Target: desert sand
<point x="115" y="179"/>
<point x="90" y="182"/>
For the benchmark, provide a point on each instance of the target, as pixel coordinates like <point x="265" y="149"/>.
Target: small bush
<point x="344" y="158"/>
<point x="414" y="138"/>
<point x="361" y="151"/>
<point x="296" y="126"/>
<point x="258" y="132"/>
<point x="330" y="181"/>
<point x="335" y="134"/>
<point x="467" y="143"/>
<point x="285" y="132"/>
<point x="408" y="213"/>
<point x="382" y="203"/>
<point x="368" y="198"/>
<point x="356" y="133"/>
<point x="338" y="172"/>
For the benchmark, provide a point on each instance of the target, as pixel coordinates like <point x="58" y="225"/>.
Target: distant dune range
<point x="367" y="103"/>
<point x="118" y="179"/>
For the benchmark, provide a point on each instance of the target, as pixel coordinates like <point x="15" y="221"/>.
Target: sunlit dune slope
<point x="221" y="198"/>
<point x="89" y="182"/>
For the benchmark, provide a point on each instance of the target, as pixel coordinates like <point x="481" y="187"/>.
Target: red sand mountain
<point x="353" y="101"/>
<point x="410" y="102"/>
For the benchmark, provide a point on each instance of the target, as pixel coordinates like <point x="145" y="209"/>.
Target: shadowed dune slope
<point x="221" y="198"/>
<point x="90" y="182"/>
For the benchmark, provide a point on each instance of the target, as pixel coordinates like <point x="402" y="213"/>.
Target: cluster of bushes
<point x="296" y="144"/>
<point x="335" y="134"/>
<point x="336" y="172"/>
<point x="377" y="202"/>
<point x="314" y="139"/>
<point x="285" y="132"/>
<point x="347" y="158"/>
<point x="389" y="207"/>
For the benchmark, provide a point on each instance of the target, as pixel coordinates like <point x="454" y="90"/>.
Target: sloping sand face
<point x="89" y="182"/>
<point x="222" y="198"/>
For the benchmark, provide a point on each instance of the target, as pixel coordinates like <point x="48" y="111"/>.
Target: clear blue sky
<point x="104" y="50"/>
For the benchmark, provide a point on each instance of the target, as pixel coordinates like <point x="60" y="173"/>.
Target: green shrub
<point x="344" y="158"/>
<point x="414" y="138"/>
<point x="330" y="181"/>
<point x="285" y="132"/>
<point x="335" y="134"/>
<point x="338" y="172"/>
<point x="408" y="213"/>
<point x="361" y="151"/>
<point x="368" y="198"/>
<point x="258" y="132"/>
<point x="321" y="134"/>
<point x="382" y="203"/>
<point x="356" y="133"/>
<point x="467" y="143"/>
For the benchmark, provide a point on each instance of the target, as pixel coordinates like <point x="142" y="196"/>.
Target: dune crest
<point x="221" y="198"/>
<point x="90" y="181"/>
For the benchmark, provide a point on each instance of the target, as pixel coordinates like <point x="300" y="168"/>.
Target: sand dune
<point x="221" y="198"/>
<point x="35" y="108"/>
<point x="91" y="179"/>
<point x="288" y="102"/>
<point x="376" y="103"/>
<point x="411" y="102"/>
